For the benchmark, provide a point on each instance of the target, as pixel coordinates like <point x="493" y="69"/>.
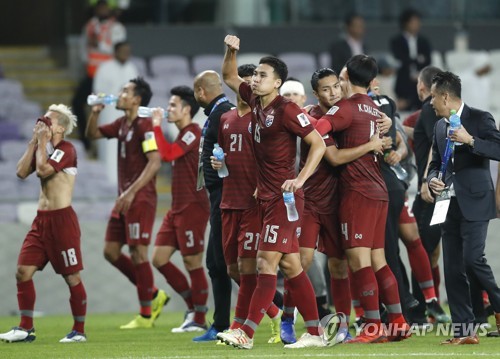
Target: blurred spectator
<point x="351" y="42"/>
<point x="110" y="78"/>
<point x="414" y="53"/>
<point x="100" y="34"/>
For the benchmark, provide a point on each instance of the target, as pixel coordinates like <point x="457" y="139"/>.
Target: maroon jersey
<point x="235" y="138"/>
<point x="132" y="148"/>
<point x="61" y="158"/>
<point x="185" y="171"/>
<point x="275" y="130"/>
<point x="320" y="190"/>
<point x="356" y="117"/>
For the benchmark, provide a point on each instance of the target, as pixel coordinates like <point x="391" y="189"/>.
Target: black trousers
<point x="79" y="104"/>
<point x="463" y="252"/>
<point x="217" y="270"/>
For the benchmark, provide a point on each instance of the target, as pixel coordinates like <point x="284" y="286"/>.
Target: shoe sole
<point x="28" y="339"/>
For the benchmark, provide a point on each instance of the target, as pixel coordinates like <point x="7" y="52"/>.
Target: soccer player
<point x="363" y="190"/>
<point x="132" y="218"/>
<point x="241" y="223"/>
<point x="276" y="123"/>
<point x="183" y="227"/>
<point x="55" y="233"/>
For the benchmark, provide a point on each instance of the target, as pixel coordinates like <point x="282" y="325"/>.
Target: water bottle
<point x="455" y="124"/>
<point x="148" y="112"/>
<point x="101" y="99"/>
<point x="219" y="155"/>
<point x="398" y="170"/>
<point x="291" y="210"/>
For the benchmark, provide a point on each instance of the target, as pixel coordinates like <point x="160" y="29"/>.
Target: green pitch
<point x="105" y="340"/>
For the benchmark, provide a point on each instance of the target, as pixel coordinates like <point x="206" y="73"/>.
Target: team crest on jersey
<point x="332" y="110"/>
<point x="57" y="156"/>
<point x="129" y="135"/>
<point x="269" y="120"/>
<point x="188" y="138"/>
<point x="298" y="231"/>
<point x="304" y="121"/>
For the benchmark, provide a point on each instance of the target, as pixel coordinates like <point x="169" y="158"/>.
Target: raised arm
<point x="24" y="165"/>
<point x="229" y="65"/>
<point x="92" y="131"/>
<point x="43" y="168"/>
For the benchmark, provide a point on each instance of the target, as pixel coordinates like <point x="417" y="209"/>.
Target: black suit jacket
<point x="340" y="52"/>
<point x="470" y="170"/>
<point x="405" y="86"/>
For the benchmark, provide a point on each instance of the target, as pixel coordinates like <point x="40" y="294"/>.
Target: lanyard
<point x="448" y="151"/>
<point x="200" y="181"/>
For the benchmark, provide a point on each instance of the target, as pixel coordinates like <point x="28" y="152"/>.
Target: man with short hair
<point x="276" y="123"/>
<point x="183" y="227"/>
<point x="132" y="218"/>
<point x="55" y="233"/>
<point x="467" y="180"/>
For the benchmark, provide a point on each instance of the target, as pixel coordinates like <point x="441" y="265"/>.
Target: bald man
<point x="208" y="93"/>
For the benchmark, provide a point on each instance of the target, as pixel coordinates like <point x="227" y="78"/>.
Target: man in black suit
<point x="472" y="202"/>
<point x="350" y="44"/>
<point x="414" y="53"/>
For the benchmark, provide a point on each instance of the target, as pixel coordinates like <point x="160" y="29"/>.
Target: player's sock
<point x="199" y="293"/>
<point x="388" y="287"/>
<point x="288" y="304"/>
<point x="248" y="282"/>
<point x="436" y="276"/>
<point x="26" y="296"/>
<point x="302" y="291"/>
<point x="124" y="264"/>
<point x="341" y="294"/>
<point x="78" y="303"/>
<point x="178" y="282"/>
<point x="365" y="282"/>
<point x="421" y="268"/>
<point x="145" y="287"/>
<point x="356" y="304"/>
<point x="273" y="311"/>
<point x="261" y="299"/>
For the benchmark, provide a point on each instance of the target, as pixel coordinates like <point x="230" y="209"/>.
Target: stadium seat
<point x="12" y="150"/>
<point x="207" y="62"/>
<point x="250" y="58"/>
<point x="299" y="63"/>
<point x="324" y="59"/>
<point x="141" y="64"/>
<point x="167" y="65"/>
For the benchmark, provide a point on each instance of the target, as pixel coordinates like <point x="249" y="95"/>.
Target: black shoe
<point x="435" y="311"/>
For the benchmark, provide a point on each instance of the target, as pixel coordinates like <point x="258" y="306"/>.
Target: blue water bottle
<point x="455" y="124"/>
<point x="218" y="153"/>
<point x="291" y="209"/>
<point x="101" y="99"/>
<point x="143" y="111"/>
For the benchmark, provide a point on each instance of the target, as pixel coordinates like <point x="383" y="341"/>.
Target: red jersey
<point x="320" y="190"/>
<point x="61" y="158"/>
<point x="235" y="138"/>
<point x="357" y="118"/>
<point x="185" y="171"/>
<point x="411" y="121"/>
<point x="275" y="130"/>
<point x="133" y="144"/>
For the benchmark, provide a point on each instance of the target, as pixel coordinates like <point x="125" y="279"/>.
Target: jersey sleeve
<point x="246" y="93"/>
<point x="168" y="152"/>
<point x="111" y="130"/>
<point x="64" y="156"/>
<point x="147" y="135"/>
<point x="339" y="117"/>
<point x="189" y="140"/>
<point x="297" y="121"/>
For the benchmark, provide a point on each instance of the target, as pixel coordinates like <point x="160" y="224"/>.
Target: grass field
<point x="105" y="340"/>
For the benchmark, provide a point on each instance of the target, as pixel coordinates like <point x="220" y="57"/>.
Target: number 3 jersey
<point x="235" y="138"/>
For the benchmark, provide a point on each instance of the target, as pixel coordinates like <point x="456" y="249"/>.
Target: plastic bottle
<point x="219" y="155"/>
<point x="148" y="112"/>
<point x="101" y="99"/>
<point x="291" y="210"/>
<point x="455" y="124"/>
<point x="398" y="169"/>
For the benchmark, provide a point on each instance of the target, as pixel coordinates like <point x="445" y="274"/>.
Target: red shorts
<point x="407" y="215"/>
<point x="133" y="228"/>
<point x="240" y="233"/>
<point x="278" y="234"/>
<point x="327" y="228"/>
<point x="362" y="221"/>
<point x="184" y="230"/>
<point x="54" y="237"/>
